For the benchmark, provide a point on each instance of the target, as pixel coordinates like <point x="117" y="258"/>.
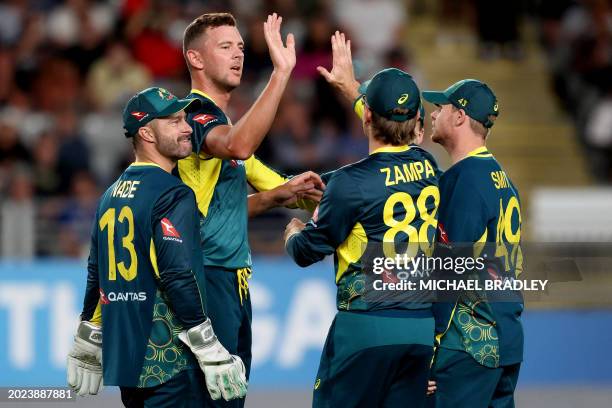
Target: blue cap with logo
<point x="471" y="95"/>
<point x="389" y="89"/>
<point x="149" y="104"/>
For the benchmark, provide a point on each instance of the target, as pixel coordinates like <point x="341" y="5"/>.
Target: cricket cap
<point x="471" y="95"/>
<point x="389" y="89"/>
<point x="149" y="104"/>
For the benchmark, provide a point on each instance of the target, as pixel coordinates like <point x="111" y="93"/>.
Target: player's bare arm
<point x="242" y="139"/>
<point x="308" y="186"/>
<point x="342" y="76"/>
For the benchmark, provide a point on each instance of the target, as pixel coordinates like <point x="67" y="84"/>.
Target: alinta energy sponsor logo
<point x="169" y="231"/>
<point x="203" y="118"/>
<point x="106" y="299"/>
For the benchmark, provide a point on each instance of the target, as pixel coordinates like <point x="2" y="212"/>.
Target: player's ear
<point x="194" y="58"/>
<point x="146" y="134"/>
<point x="460" y="118"/>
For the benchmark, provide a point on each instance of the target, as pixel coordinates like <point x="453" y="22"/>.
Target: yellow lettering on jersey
<point x="429" y="171"/>
<point x="418" y="166"/>
<point x="408" y="172"/>
<point x="399" y="176"/>
<point x="411" y="173"/>
<point x="125" y="189"/>
<point x="500" y="180"/>
<point x="388" y="181"/>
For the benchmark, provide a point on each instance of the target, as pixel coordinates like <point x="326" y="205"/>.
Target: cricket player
<point x="144" y="325"/>
<point x="376" y="353"/>
<point x="222" y="164"/>
<point x="480" y="343"/>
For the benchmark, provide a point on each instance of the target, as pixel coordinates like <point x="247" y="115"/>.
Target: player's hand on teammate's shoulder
<point x="283" y="57"/>
<point x="342" y="75"/>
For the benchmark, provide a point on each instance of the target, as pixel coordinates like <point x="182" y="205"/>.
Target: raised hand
<point x="283" y="57"/>
<point x="342" y="76"/>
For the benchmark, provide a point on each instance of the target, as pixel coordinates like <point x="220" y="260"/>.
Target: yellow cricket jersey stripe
<point x="153" y="256"/>
<point x="260" y="176"/>
<point x="450" y="321"/>
<point x="480" y="244"/>
<point x="97" y="315"/>
<point x="351" y="250"/>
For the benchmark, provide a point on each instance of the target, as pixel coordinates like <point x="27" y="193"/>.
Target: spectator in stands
<point x="17" y="213"/>
<point x="115" y="77"/>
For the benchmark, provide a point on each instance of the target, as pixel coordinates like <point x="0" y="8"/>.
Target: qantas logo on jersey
<point x="203" y="118"/>
<point x="236" y="163"/>
<point x="139" y="115"/>
<point x="122" y="297"/>
<point x="103" y="299"/>
<point x="170" y="233"/>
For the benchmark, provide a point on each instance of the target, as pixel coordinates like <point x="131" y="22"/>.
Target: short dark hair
<point x="198" y="27"/>
<point x="392" y="132"/>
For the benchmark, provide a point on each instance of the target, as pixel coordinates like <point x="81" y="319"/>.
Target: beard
<point x="174" y="149"/>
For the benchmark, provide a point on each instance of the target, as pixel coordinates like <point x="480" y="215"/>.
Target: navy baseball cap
<point x="389" y="89"/>
<point x="149" y="104"/>
<point x="471" y="95"/>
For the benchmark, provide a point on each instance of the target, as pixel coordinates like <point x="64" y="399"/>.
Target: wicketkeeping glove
<point x="225" y="373"/>
<point x="84" y="372"/>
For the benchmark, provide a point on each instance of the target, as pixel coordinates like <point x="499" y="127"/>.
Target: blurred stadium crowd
<point x="68" y="67"/>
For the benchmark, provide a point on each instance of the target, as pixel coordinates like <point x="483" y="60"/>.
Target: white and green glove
<point x="225" y="373"/>
<point x="84" y="372"/>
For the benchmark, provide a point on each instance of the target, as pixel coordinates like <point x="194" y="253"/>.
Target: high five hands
<point x="342" y="76"/>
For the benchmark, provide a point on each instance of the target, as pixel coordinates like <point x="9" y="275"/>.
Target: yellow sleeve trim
<point x="359" y="106"/>
<point x="97" y="315"/>
<point x="262" y="177"/>
<point x="351" y="250"/>
<point x="153" y="256"/>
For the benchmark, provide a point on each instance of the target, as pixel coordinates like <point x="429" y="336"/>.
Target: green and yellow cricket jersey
<point x="145" y="279"/>
<point x="221" y="190"/>
<point x="391" y="196"/>
<point x="479" y="204"/>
